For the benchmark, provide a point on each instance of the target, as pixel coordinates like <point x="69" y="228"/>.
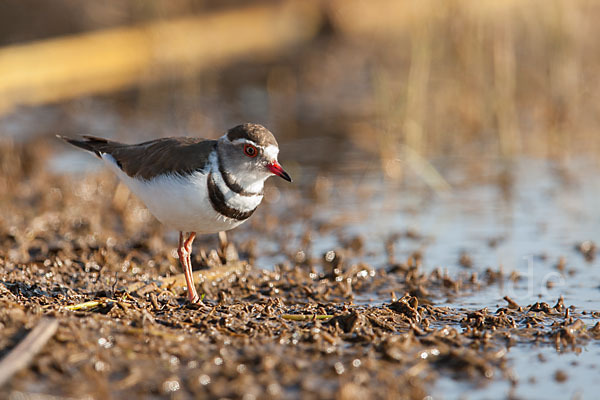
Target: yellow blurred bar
<point x="62" y="68"/>
<point x="384" y="17"/>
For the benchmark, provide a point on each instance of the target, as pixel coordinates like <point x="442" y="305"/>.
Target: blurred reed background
<point x="380" y="80"/>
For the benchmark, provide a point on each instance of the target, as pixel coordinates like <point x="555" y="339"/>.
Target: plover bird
<point x="194" y="185"/>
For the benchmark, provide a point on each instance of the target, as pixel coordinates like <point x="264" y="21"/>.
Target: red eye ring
<point x="250" y="150"/>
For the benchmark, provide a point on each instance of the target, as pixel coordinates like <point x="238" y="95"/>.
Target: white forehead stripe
<point x="238" y="141"/>
<point x="241" y="140"/>
<point x="271" y="151"/>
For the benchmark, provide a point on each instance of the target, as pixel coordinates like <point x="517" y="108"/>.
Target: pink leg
<point x="184" y="251"/>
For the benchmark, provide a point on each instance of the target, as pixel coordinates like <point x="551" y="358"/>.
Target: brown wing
<point x="146" y="160"/>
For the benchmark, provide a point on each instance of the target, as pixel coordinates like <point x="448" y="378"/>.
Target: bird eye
<point x="250" y="150"/>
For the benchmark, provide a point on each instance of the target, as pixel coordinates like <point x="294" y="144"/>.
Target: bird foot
<point x="194" y="299"/>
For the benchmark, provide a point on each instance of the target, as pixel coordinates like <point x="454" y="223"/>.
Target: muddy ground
<point x="81" y="251"/>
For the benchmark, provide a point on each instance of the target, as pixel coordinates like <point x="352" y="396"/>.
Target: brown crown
<point x="254" y="132"/>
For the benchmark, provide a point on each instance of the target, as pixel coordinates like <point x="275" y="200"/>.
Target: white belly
<point x="178" y="202"/>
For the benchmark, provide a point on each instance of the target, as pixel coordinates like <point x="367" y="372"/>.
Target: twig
<point x="24" y="352"/>
<point x="235" y="267"/>
<point x="203" y="275"/>
<point x="304" y="317"/>
<point x="89" y="305"/>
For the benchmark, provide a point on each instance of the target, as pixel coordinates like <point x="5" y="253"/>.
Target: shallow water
<point x="526" y="227"/>
<point x="540" y="222"/>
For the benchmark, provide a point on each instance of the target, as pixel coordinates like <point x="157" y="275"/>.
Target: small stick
<point x="88" y="305"/>
<point x="207" y="275"/>
<point x="512" y="304"/>
<point x="304" y="317"/>
<point x="24" y="352"/>
<point x="203" y="275"/>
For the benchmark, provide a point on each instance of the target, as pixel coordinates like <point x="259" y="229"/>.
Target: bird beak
<point x="275" y="168"/>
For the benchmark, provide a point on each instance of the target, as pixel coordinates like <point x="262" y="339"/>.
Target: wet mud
<point x="80" y="250"/>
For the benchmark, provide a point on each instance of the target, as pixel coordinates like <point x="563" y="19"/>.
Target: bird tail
<point x="93" y="144"/>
